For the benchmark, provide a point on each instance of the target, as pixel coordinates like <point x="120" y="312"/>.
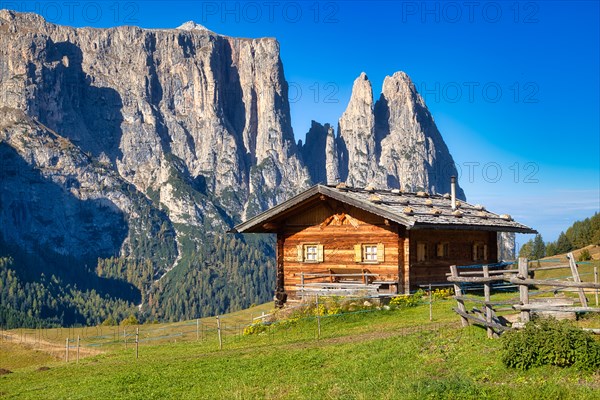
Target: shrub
<point x="442" y="294"/>
<point x="584" y="255"/>
<point x="550" y="342"/>
<point x="110" y="321"/>
<point x="255" y="328"/>
<point x="131" y="320"/>
<point x="407" y="300"/>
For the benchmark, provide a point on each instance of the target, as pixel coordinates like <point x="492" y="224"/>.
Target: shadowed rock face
<point x="218" y="104"/>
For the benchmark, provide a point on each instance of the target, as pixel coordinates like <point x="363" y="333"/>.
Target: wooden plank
<point x="461" y="279"/>
<point x="480" y="301"/>
<point x="523" y="289"/>
<point x="458" y="292"/>
<point x="557" y="283"/>
<point x="491" y="272"/>
<point x="489" y="311"/>
<point x="551" y="307"/>
<point x="406" y="265"/>
<point x="480" y="321"/>
<point x="576" y="278"/>
<point x="550" y="268"/>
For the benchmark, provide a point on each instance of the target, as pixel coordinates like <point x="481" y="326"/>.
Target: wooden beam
<point x="480" y="321"/>
<point x="544" y="282"/>
<point x="271" y="226"/>
<point x="458" y="292"/>
<point x="550" y="307"/>
<point x="480" y="301"/>
<point x="406" y="266"/>
<point x="576" y="278"/>
<point x="465" y="279"/>
<point x="523" y="289"/>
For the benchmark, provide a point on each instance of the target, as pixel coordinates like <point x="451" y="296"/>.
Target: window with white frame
<point x="369" y="253"/>
<point x="310" y="253"/>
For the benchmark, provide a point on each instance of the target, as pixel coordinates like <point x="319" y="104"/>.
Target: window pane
<point x="370" y="253"/>
<point x="311" y="253"/>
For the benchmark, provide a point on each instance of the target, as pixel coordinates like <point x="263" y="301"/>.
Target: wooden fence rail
<point x="520" y="277"/>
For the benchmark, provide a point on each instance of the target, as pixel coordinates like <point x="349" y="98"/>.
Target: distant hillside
<point x="579" y="235"/>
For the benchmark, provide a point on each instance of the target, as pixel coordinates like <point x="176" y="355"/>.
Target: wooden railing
<point x="332" y="283"/>
<point x="521" y="278"/>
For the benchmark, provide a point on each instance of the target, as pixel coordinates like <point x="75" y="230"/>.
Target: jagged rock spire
<point x="357" y="136"/>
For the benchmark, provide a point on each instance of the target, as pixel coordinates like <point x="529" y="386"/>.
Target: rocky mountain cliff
<point x="124" y="147"/>
<point x="390" y="143"/>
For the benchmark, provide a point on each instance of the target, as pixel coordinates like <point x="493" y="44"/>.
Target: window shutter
<point x="357" y="253"/>
<point x="380" y="252"/>
<point x="320" y="253"/>
<point x="440" y="250"/>
<point x="300" y="250"/>
<point x="485" y="257"/>
<point x="475" y="252"/>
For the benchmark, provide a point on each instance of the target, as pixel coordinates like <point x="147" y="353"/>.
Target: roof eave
<point x="266" y="215"/>
<point x="492" y="228"/>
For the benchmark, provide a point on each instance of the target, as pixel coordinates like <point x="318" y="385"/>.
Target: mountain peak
<point x="193" y="26"/>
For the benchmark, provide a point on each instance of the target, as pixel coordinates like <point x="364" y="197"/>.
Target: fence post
<point x="318" y="318"/>
<point x="458" y="292"/>
<point x="302" y="285"/>
<point x="576" y="278"/>
<point x="430" y="304"/>
<point x="596" y="282"/>
<point x="77" y="349"/>
<point x="523" y="288"/>
<point x="197" y="329"/>
<point x="137" y="341"/>
<point x="67" y="350"/>
<point x="489" y="311"/>
<point x="219" y="333"/>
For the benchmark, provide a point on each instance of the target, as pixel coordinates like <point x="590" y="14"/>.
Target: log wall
<point x="338" y="236"/>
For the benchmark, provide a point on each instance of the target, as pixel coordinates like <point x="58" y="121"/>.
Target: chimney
<point x="453" y="192"/>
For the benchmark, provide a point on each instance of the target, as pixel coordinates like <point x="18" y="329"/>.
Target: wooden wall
<point x="460" y="252"/>
<point x="339" y="227"/>
<point x="338" y="237"/>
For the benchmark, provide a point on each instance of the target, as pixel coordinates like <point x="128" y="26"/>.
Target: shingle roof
<point x="413" y="210"/>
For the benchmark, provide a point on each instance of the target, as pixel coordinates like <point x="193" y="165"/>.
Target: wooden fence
<point x="489" y="276"/>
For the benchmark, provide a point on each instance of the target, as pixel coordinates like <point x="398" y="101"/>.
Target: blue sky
<point x="513" y="86"/>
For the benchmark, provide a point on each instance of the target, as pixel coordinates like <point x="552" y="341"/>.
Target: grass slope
<point x="382" y="355"/>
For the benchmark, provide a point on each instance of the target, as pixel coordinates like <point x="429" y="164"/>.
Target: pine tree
<point x="538" y="248"/>
<point x="563" y="244"/>
<point x="526" y="250"/>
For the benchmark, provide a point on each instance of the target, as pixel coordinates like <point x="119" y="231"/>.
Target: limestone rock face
<point x="411" y="151"/>
<point x="142" y="98"/>
<point x="357" y="136"/>
<point x="393" y="143"/>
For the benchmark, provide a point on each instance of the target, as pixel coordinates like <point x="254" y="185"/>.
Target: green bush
<point x="550" y="342"/>
<point x="131" y="320"/>
<point x="584" y="255"/>
<point x="407" y="300"/>
<point x="442" y="294"/>
<point x="110" y="321"/>
<point x="255" y="329"/>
